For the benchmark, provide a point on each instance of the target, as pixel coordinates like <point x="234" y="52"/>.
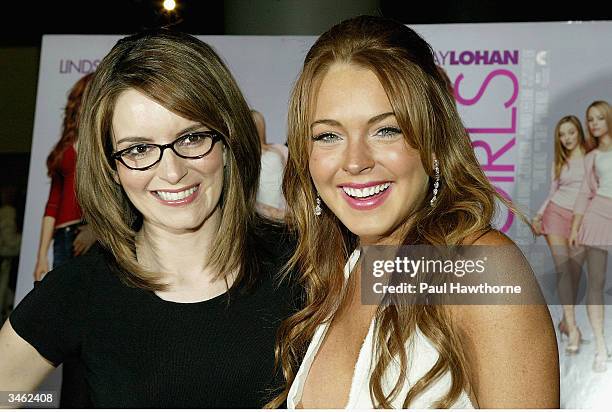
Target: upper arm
<point x="588" y="186"/>
<point x="55" y="195"/>
<point x="511" y="350"/>
<point x="52" y="316"/>
<point x="22" y="368"/>
<point x="511" y="354"/>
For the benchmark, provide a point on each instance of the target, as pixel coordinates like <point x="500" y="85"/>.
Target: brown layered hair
<point x="604" y="107"/>
<point x="187" y="77"/>
<point x="561" y="153"/>
<point x="465" y="205"/>
<point x="69" y="126"/>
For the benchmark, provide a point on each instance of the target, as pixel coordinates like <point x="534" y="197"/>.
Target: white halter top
<point x="419" y="349"/>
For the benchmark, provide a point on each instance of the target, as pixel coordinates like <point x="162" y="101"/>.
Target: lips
<point x="366" y="196"/>
<point x="177" y="197"/>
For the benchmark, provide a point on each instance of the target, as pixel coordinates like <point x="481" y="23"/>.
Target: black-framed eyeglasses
<point x="143" y="156"/>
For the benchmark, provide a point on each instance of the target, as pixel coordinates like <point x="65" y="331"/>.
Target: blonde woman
<point x="379" y="156"/>
<point x="592" y="222"/>
<point x="178" y="307"/>
<point x="554" y="220"/>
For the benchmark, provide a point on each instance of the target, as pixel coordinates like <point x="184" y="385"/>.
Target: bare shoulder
<point x="510" y="349"/>
<point x="489" y="238"/>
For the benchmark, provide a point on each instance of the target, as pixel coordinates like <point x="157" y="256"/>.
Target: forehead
<point x="347" y="89"/>
<point x="594" y="111"/>
<point x="567" y="125"/>
<point x="137" y="114"/>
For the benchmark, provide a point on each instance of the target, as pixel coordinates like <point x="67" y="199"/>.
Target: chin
<point x="370" y="231"/>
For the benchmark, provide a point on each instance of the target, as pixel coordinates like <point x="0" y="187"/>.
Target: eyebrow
<point x="372" y="121"/>
<point x="138" y="139"/>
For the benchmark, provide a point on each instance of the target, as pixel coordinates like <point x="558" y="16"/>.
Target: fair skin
<point x="567" y="259"/>
<point x="596" y="258"/>
<point x="356" y="142"/>
<point x="176" y="227"/>
<point x="356" y="139"/>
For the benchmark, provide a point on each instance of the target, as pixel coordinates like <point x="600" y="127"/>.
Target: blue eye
<point x="388" y="132"/>
<point x="326" y="137"/>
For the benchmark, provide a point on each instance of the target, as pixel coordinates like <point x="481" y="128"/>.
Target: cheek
<point x="413" y="176"/>
<point x="215" y="159"/>
<point x="210" y="166"/>
<point x="406" y="164"/>
<point x="133" y="180"/>
<point x="322" y="165"/>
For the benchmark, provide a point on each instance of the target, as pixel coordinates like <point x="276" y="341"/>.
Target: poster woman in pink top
<point x="554" y="219"/>
<point x="592" y="223"/>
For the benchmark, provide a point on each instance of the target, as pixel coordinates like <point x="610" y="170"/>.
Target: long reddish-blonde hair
<point x="70" y="124"/>
<point x="426" y="113"/>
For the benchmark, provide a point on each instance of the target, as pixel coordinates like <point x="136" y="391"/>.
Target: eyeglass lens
<point x="145" y="155"/>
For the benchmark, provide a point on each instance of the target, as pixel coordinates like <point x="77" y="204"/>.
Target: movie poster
<point x="512" y="83"/>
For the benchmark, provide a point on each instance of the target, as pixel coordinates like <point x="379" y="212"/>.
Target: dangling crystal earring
<point x="317" y="209"/>
<point x="436" y="167"/>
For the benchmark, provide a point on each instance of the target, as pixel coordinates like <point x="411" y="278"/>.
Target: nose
<point x="171" y="168"/>
<point x="357" y="157"/>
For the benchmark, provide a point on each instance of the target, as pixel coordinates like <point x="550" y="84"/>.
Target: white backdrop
<point x="513" y="82"/>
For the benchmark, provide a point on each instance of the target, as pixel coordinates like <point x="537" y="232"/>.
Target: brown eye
<point x="139" y="151"/>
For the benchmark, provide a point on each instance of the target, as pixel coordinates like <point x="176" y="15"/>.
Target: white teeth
<point x="176" y="195"/>
<point x="367" y="191"/>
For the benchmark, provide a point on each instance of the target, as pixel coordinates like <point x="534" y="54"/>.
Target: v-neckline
<point x="319" y="337"/>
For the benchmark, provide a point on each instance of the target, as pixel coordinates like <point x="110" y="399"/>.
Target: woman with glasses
<point x="178" y="305"/>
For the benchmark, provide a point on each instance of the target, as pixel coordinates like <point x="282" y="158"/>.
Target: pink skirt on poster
<point x="596" y="227"/>
<point x="557" y="220"/>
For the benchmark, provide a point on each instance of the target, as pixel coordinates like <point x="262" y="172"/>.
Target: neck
<point x="182" y="256"/>
<point x="577" y="151"/>
<point x="605" y="142"/>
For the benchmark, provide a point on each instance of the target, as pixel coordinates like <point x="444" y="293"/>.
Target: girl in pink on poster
<point x="554" y="220"/>
<point x="62" y="221"/>
<point x="592" y="222"/>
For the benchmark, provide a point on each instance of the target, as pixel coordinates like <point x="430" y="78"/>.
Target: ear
<point x="224" y="156"/>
